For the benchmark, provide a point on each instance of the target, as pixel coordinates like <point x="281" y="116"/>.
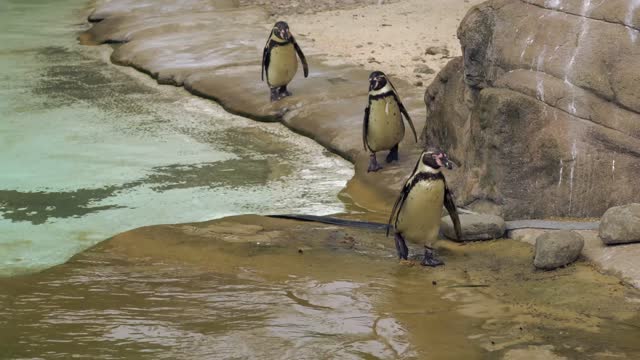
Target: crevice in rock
<point x="583" y="16"/>
<point x="589" y="91"/>
<point x="564" y="111"/>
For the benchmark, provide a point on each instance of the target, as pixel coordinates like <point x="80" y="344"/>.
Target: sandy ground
<point x="280" y="7"/>
<point x="392" y="37"/>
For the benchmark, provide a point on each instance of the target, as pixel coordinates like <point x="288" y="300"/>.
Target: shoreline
<point x="345" y="141"/>
<point x="327" y="107"/>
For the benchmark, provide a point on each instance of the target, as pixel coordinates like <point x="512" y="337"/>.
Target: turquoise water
<point x="89" y="149"/>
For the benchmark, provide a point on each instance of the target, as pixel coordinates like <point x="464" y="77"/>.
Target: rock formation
<point x="621" y="225"/>
<point x="475" y="227"/>
<point x="557" y="248"/>
<point x="542" y="111"/>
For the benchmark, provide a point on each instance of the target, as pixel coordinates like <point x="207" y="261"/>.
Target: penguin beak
<point x="443" y="161"/>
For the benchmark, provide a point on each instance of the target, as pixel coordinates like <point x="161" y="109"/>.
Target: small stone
<point x="358" y="46"/>
<point x="434" y="283"/>
<point x="557" y="248"/>
<point x="475" y="227"/>
<point x="621" y="225"/>
<point x="437" y="50"/>
<point x="418" y="83"/>
<point x="300" y="251"/>
<point x="423" y="69"/>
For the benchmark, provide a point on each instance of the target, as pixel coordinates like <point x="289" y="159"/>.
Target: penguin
<point x="279" y="61"/>
<point x="417" y="212"/>
<point x="383" y="128"/>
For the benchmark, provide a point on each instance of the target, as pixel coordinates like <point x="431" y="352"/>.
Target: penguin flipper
<point x="397" y="206"/>
<point x="303" y="60"/>
<point x="266" y="59"/>
<point x="450" y="204"/>
<point x="404" y="111"/>
<point x="403" y="196"/>
<point x="365" y="127"/>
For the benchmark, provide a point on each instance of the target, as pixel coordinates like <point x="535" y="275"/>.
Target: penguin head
<point x="377" y="80"/>
<point x="281" y="30"/>
<point x="435" y="158"/>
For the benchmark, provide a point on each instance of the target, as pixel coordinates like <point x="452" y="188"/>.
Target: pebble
<point x="424" y="69"/>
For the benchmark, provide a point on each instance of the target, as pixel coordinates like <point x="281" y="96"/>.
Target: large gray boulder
<point x="543" y="108"/>
<point x="475" y="227"/>
<point x="557" y="248"/>
<point x="621" y="225"/>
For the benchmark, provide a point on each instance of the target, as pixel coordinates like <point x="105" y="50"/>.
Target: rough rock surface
<point x="543" y="108"/>
<point x="621" y="225"/>
<point x="475" y="227"/>
<point x="557" y="248"/>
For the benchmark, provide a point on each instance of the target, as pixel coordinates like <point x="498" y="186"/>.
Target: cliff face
<point x="543" y="108"/>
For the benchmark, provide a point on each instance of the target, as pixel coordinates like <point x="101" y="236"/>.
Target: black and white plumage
<point x="383" y="128"/>
<point x="416" y="213"/>
<point x="279" y="60"/>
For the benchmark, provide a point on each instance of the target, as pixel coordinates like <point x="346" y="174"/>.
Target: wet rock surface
<point x="487" y="300"/>
<point x="621" y="225"/>
<point x="557" y="248"/>
<point x="533" y="353"/>
<point x="620" y="260"/>
<point x="216" y="53"/>
<point x="542" y="110"/>
<point x="475" y="227"/>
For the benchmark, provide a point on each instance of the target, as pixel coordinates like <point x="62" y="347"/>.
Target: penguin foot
<point x="275" y="95"/>
<point x="393" y="154"/>
<point x="284" y="92"/>
<point x="373" y="164"/>
<point x="430" y="258"/>
<point x="401" y="247"/>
